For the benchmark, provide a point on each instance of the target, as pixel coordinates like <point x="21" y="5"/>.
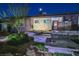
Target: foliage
<point x="75" y="39"/>
<point x="61" y="54"/>
<point x="17" y="44"/>
<point x="18" y="38"/>
<point x="14" y="50"/>
<point x="40" y="46"/>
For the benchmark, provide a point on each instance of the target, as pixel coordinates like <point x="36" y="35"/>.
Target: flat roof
<point x="45" y="15"/>
<point x="56" y="14"/>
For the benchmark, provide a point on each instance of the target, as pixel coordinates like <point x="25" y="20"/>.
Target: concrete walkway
<point x="3" y="39"/>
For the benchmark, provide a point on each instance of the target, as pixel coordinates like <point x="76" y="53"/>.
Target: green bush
<point x="41" y="46"/>
<point x="61" y="54"/>
<point x="16" y="44"/>
<point x="16" y="39"/>
<point x="20" y="50"/>
<point x="75" y="39"/>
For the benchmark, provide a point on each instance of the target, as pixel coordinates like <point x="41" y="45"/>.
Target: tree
<point x="3" y="14"/>
<point x="19" y="11"/>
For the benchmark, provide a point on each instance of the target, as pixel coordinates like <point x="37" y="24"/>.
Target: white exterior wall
<point x="60" y="19"/>
<point x="41" y="26"/>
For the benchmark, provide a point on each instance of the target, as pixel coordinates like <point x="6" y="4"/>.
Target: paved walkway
<point x="52" y="49"/>
<point x="3" y="39"/>
<point x="66" y="32"/>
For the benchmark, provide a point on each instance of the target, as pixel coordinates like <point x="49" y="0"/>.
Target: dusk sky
<point x="53" y="8"/>
<point x="48" y="8"/>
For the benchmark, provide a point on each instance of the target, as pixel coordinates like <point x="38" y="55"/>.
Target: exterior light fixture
<point x="40" y="9"/>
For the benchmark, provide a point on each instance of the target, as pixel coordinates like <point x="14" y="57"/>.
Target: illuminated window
<point x="36" y="21"/>
<point x="46" y="21"/>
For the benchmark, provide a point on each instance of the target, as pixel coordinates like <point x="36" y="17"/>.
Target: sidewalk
<point x="3" y="39"/>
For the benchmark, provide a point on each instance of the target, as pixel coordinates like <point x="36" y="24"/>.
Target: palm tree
<point x="19" y="11"/>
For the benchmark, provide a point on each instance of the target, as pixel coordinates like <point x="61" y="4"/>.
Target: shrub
<point x="17" y="39"/>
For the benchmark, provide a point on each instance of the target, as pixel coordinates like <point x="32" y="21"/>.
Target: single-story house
<point x="61" y="22"/>
<point x="69" y="21"/>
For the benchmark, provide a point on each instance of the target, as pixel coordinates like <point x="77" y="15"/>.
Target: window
<point x="46" y="21"/>
<point x="36" y="21"/>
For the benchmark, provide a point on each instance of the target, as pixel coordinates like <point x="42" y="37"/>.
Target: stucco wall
<point x="44" y="24"/>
